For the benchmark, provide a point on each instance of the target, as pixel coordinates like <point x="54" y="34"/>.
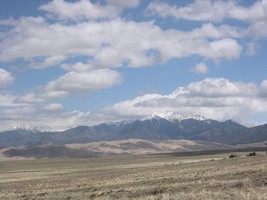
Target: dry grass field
<point x="137" y="177"/>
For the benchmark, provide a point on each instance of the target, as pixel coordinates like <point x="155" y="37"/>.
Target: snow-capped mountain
<point x="173" y="116"/>
<point x="23" y="127"/>
<point x="35" y="129"/>
<point x="154" y="116"/>
<point x="158" y="126"/>
<point x="43" y="128"/>
<point x="121" y="123"/>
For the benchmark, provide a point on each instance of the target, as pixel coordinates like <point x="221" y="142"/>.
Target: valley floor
<point x="137" y="177"/>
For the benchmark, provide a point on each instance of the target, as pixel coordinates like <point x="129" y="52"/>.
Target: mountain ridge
<point x="174" y="117"/>
<point x="34" y="129"/>
<point x="159" y="126"/>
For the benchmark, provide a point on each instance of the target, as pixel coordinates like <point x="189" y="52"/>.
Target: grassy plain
<point x="137" y="177"/>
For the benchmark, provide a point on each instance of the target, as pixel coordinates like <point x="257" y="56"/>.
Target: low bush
<point x="232" y="156"/>
<point x="252" y="154"/>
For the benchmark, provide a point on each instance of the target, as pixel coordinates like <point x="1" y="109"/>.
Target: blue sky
<point x="69" y="63"/>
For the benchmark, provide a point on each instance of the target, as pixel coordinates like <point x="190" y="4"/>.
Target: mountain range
<point x="156" y="127"/>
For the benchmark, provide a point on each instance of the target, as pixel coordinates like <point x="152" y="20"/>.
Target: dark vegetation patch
<point x="252" y="154"/>
<point x="48" y="152"/>
<point x="213" y="152"/>
<point x="232" y="156"/>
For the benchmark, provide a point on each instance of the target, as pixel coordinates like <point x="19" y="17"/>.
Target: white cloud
<point x="216" y="11"/>
<point x="258" y="29"/>
<point x="48" y="62"/>
<point x="6" y="100"/>
<point x="213" y="98"/>
<point x="38" y="97"/>
<point x="93" y="80"/>
<point x="225" y="48"/>
<point x="79" y="10"/>
<point x="29" y="98"/>
<point x="115" y="43"/>
<point x="87" y="10"/>
<point x="81" y="79"/>
<point x="124" y="3"/>
<point x="198" y="10"/>
<point x="208" y="30"/>
<point x="77" y="67"/>
<point x="263" y="88"/>
<point x="200" y="68"/>
<point x="53" y="107"/>
<point x="208" y="10"/>
<point x="25" y="112"/>
<point x="5" y="78"/>
<point x="53" y="94"/>
<point x="221" y="87"/>
<point x="51" y="115"/>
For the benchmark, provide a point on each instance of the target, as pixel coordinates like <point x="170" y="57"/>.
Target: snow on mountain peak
<point x="22" y="126"/>
<point x="121" y="123"/>
<point x="153" y="116"/>
<point x="33" y="129"/>
<point x="173" y="116"/>
<point x="42" y="128"/>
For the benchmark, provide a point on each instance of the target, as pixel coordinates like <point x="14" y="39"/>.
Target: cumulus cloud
<point x="221" y="49"/>
<point x="107" y="43"/>
<point x="5" y="78"/>
<point x="93" y="80"/>
<point x="263" y="89"/>
<point x="53" y="107"/>
<point x="39" y="96"/>
<point x="51" y="114"/>
<point x="216" y="11"/>
<point x="258" y="29"/>
<point x="77" y="67"/>
<point x="208" y="10"/>
<point x="79" y="10"/>
<point x="22" y="113"/>
<point x="53" y="94"/>
<point x="200" y="68"/>
<point x="7" y="100"/>
<point x="29" y="98"/>
<point x="87" y="10"/>
<point x="215" y="98"/>
<point x="124" y="3"/>
<point x="48" y="62"/>
<point x="221" y="87"/>
<point x="73" y="81"/>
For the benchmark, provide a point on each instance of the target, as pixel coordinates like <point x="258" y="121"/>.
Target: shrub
<point x="252" y="154"/>
<point x="232" y="156"/>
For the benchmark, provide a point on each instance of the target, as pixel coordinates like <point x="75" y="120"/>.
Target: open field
<point x="137" y="177"/>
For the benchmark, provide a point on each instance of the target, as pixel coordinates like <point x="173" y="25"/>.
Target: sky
<point x="66" y="63"/>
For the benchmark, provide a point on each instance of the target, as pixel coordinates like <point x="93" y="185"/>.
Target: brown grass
<point x="137" y="177"/>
